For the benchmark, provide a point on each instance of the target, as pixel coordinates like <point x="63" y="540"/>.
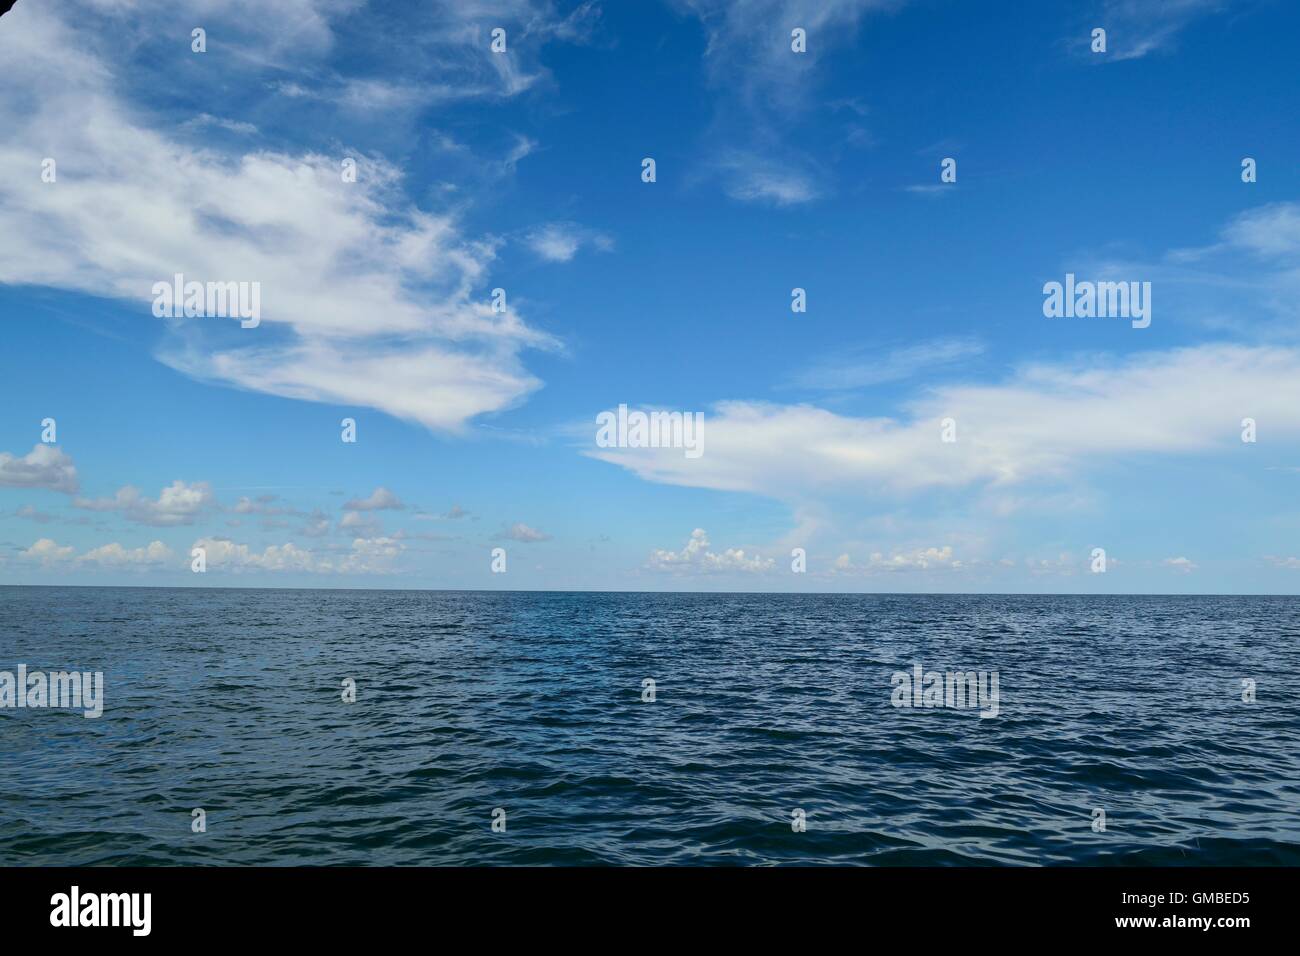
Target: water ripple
<point x="230" y="700"/>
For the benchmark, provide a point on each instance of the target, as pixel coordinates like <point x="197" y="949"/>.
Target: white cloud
<point x="366" y="556"/>
<point x="381" y="499"/>
<point x="749" y="42"/>
<point x="116" y="556"/>
<point x="113" y="555"/>
<point x="1269" y="230"/>
<point x="43" y="467"/>
<point x="1245" y="283"/>
<point x="1180" y="564"/>
<point x="230" y="126"/>
<point x="1044" y="423"/>
<point x="695" y="557"/>
<point x="370" y="556"/>
<point x="560" y="241"/>
<point x="1135" y="28"/>
<point x="750" y="179"/>
<point x="763" y="87"/>
<point x="1064" y="564"/>
<point x="859" y="368"/>
<point x="919" y="559"/>
<point x="522" y="533"/>
<point x="931" y="190"/>
<point x="223" y="554"/>
<point x="366" y="299"/>
<point x="522" y="149"/>
<point x="317" y="525"/>
<point x="48" y="553"/>
<point x="177" y="504"/>
<point x="359" y="524"/>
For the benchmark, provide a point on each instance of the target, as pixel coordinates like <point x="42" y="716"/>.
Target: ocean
<point x="504" y="728"/>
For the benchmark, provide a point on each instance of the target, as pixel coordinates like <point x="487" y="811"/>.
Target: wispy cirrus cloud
<point x="1245" y="281"/>
<point x="1270" y="231"/>
<point x="764" y="86"/>
<point x="1136" y="28"/>
<point x="864" y="367"/>
<point x="749" y="43"/>
<point x="751" y="177"/>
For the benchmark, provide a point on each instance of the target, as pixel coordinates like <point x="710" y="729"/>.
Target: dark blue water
<point x="230" y="700"/>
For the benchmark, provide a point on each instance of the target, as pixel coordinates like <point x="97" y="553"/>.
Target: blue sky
<point x="775" y="170"/>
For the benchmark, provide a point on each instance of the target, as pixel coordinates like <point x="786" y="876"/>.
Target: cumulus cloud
<point x="1181" y="564"/>
<point x="560" y="241"/>
<point x="381" y="499"/>
<point x="365" y="556"/>
<point x="224" y="554"/>
<point x="920" y="559"/>
<point x="115" y="556"/>
<point x="177" y="504"/>
<point x="48" y="553"/>
<point x="317" y="525"/>
<point x="522" y="533"/>
<point x="45" y="466"/>
<point x="360" y="524"/>
<point x="696" y="557"/>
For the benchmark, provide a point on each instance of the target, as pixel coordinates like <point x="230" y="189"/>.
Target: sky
<point x="920" y="425"/>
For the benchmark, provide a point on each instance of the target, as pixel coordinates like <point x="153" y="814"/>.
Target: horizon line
<point x="220" y="587"/>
